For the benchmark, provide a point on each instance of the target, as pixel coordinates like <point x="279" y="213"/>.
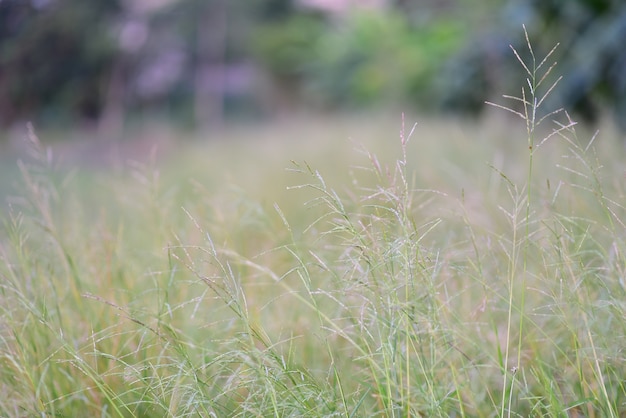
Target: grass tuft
<point x="412" y="279"/>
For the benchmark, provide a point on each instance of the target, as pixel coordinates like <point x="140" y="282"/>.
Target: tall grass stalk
<point x="531" y="100"/>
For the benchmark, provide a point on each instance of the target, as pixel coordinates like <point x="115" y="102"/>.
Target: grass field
<point x="321" y="267"/>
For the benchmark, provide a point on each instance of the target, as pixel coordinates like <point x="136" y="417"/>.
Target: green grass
<point x="450" y="269"/>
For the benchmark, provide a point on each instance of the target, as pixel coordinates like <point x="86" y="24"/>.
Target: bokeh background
<point x="105" y="65"/>
<point x="305" y="208"/>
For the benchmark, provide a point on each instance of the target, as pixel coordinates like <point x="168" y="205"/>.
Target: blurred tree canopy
<point x="358" y="59"/>
<point x="54" y="54"/>
<point x="105" y="61"/>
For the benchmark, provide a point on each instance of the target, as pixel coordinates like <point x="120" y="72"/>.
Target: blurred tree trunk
<point x="111" y="122"/>
<point x="210" y="71"/>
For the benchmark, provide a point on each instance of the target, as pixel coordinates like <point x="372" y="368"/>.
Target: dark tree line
<point x="103" y="61"/>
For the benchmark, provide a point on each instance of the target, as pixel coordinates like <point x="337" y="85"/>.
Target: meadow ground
<point x="339" y="266"/>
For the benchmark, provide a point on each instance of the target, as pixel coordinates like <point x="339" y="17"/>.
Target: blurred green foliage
<point x="361" y="59"/>
<point x="380" y="57"/>
<point x="287" y="49"/>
